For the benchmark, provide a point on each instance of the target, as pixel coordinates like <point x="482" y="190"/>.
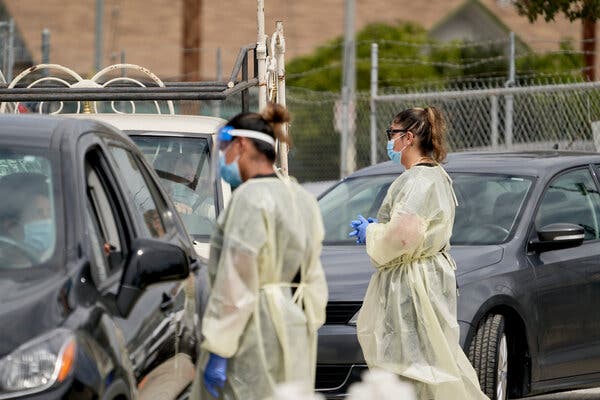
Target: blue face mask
<point x="395" y="156"/>
<point x="229" y="172"/>
<point x="39" y="234"/>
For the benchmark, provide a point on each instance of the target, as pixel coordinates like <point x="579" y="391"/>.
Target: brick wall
<point x="149" y="31"/>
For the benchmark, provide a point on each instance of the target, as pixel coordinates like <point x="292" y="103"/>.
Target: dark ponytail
<point x="437" y="126"/>
<point x="429" y="127"/>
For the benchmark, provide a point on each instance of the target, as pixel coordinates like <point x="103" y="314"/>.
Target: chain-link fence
<point x="537" y="117"/>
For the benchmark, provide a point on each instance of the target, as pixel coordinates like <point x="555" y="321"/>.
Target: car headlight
<point x="38" y="364"/>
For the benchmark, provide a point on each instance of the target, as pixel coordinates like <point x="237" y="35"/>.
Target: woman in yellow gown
<point x="407" y="324"/>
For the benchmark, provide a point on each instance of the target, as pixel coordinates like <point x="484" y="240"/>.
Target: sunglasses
<point x="391" y="132"/>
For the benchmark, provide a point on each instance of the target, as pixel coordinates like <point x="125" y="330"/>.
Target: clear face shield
<point x="222" y="140"/>
<point x="225" y="136"/>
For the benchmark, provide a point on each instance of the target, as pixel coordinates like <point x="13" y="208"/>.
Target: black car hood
<point x="348" y="268"/>
<point x="29" y="309"/>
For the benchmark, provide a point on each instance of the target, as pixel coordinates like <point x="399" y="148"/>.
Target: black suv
<point x="98" y="293"/>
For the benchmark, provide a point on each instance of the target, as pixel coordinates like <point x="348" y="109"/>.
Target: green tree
<point x="401" y="49"/>
<point x="588" y="11"/>
<point x="408" y="56"/>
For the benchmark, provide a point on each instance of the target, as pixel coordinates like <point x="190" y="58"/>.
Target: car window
<point x="489" y="205"/>
<point x="145" y="204"/>
<point x="103" y="228"/>
<point x="348" y="199"/>
<point x="183" y="166"/>
<point x="27" y="212"/>
<point x="99" y="266"/>
<point x="571" y="198"/>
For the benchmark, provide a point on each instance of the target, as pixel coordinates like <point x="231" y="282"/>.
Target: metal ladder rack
<point x="121" y="89"/>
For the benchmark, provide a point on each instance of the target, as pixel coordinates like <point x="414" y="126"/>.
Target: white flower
<point x="381" y="385"/>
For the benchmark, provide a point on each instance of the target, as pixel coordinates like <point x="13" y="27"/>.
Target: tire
<point x="117" y="390"/>
<point x="488" y="353"/>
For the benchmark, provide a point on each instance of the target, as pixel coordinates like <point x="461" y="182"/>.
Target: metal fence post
<point x="99" y="40"/>
<point x="344" y="132"/>
<point x="348" y="90"/>
<point x="374" y="79"/>
<point x="245" y="92"/>
<point x="494" y="121"/>
<point x="124" y="71"/>
<point x="45" y="46"/>
<point x="11" y="50"/>
<point x="45" y="49"/>
<point x="217" y="103"/>
<point x="508" y="120"/>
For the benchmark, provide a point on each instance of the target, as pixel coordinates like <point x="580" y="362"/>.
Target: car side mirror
<point x="150" y="261"/>
<point x="556" y="237"/>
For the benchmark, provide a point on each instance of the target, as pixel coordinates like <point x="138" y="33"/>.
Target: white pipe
<point x="280" y="58"/>
<point x="261" y="55"/>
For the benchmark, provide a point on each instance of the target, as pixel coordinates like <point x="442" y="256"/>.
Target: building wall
<point x="149" y="31"/>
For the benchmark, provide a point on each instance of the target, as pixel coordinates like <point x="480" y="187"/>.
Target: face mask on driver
<point x="39" y="234"/>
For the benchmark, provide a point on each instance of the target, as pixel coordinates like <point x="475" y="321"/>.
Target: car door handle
<point x="167" y="302"/>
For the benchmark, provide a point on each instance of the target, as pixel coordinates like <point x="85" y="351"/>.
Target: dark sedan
<point x="526" y="240"/>
<point x="96" y="293"/>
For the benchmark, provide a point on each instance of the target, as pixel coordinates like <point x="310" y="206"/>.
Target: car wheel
<point x="488" y="353"/>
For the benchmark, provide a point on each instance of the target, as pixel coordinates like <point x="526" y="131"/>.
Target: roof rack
<point x="268" y="74"/>
<point x="124" y="88"/>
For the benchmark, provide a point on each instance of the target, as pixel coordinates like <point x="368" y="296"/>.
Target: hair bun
<point x="275" y="113"/>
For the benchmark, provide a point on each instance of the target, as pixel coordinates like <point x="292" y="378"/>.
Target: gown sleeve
<point x="316" y="292"/>
<point x="404" y="233"/>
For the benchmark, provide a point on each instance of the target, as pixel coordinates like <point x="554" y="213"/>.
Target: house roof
<point x="483" y="24"/>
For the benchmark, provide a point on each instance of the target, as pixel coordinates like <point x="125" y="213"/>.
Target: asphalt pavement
<point x="587" y="394"/>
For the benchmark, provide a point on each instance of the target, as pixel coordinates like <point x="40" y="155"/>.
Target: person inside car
<point x="179" y="174"/>
<point x="26" y="212"/>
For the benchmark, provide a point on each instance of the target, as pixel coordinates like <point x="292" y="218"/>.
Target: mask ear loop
<point x="399" y="137"/>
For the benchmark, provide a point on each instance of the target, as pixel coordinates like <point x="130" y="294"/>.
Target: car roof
<point x="34" y="130"/>
<point x="530" y="163"/>
<point x="158" y="122"/>
<point x="39" y="130"/>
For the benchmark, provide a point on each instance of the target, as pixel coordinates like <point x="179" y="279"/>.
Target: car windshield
<point x="489" y="205"/>
<point x="183" y="165"/>
<point x="27" y="218"/>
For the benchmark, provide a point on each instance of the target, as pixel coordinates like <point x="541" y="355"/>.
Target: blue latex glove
<point x="360" y="228"/>
<point x="215" y="374"/>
